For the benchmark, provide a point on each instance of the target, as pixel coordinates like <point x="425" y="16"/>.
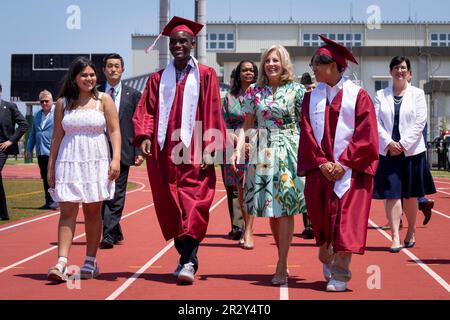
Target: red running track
<point x="141" y="267"/>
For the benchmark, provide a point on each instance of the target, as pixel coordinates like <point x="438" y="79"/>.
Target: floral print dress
<point x="272" y="187"/>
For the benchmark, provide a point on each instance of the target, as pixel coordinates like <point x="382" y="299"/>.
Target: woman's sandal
<point x="54" y="274"/>
<point x="89" y="270"/>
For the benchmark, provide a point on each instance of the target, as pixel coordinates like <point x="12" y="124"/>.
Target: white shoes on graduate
<point x="186" y="274"/>
<point x="336" y="285"/>
<point x="326" y="272"/>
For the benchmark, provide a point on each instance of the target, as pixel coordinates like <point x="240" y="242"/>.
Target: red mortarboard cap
<point x="336" y="51"/>
<point x="177" y="24"/>
<point x="180" y="24"/>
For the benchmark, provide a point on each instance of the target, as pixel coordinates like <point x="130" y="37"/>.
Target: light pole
<point x="164" y="6"/>
<point x="200" y="17"/>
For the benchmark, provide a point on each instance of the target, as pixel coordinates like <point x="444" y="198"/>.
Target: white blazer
<point x="413" y="117"/>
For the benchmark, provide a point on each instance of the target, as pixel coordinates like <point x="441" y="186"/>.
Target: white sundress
<point x="82" y="165"/>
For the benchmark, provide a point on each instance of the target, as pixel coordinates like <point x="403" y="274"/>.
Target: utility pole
<point x="164" y="6"/>
<point x="200" y="17"/>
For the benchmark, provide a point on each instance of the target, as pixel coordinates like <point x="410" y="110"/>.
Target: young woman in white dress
<point x="80" y="167"/>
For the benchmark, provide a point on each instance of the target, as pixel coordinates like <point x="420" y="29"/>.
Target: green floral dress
<point x="233" y="115"/>
<point x="272" y="187"/>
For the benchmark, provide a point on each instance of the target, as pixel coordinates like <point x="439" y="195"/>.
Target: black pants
<point x="306" y="220"/>
<point x="112" y="209"/>
<point x="234" y="208"/>
<point x="187" y="248"/>
<point x="43" y="166"/>
<point x="3" y="207"/>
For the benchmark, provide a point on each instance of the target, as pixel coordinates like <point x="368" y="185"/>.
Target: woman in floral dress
<point x="246" y="73"/>
<point x="272" y="188"/>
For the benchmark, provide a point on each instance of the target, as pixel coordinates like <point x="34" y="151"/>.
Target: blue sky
<point x="39" y="26"/>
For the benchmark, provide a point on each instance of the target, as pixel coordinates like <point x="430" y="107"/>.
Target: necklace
<point x="398" y="101"/>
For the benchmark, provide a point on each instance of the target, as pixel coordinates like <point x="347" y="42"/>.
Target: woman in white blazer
<point x="403" y="174"/>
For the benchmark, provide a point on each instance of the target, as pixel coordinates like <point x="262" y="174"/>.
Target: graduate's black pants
<point x="187" y="247"/>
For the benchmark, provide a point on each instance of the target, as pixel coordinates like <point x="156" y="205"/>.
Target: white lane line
<point x="133" y="278"/>
<point x="142" y="186"/>
<point x="443" y="182"/>
<point x="424" y="266"/>
<point x="54" y="247"/>
<point x="284" y="292"/>
<point x="29" y="221"/>
<point x="441" y="214"/>
<point x="439" y="190"/>
<point x="149" y="263"/>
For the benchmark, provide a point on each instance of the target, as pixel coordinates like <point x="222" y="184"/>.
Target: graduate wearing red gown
<point x="182" y="192"/>
<point x="340" y="169"/>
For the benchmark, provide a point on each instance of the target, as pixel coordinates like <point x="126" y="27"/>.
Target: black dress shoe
<point x="237" y="234"/>
<point x="106" y="245"/>
<point x="4" y="218"/>
<point x="117" y="239"/>
<point x="233" y="232"/>
<point x="426" y="209"/>
<point x="45" y="207"/>
<point x="307" y="233"/>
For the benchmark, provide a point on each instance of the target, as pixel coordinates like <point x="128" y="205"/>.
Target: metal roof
<point x="137" y="82"/>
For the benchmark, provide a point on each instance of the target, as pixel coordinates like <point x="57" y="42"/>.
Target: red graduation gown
<point x="182" y="193"/>
<point x="342" y="222"/>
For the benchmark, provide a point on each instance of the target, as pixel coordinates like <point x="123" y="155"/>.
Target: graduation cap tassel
<point x="152" y="46"/>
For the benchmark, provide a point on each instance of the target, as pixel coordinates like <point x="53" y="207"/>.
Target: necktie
<point x="113" y="94"/>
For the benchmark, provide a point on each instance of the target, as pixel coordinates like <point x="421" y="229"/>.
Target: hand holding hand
<point x="395" y="148"/>
<point x="338" y="172"/>
<point x="326" y="169"/>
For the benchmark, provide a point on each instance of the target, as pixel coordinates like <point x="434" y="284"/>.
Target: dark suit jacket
<point x="9" y="117"/>
<point x="129" y="99"/>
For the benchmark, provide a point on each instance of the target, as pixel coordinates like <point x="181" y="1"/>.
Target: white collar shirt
<point x="45" y="117"/>
<point x="333" y="91"/>
<point x="117" y="93"/>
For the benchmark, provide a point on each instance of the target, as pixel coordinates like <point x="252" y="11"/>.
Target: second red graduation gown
<point x="342" y="222"/>
<point x="182" y="193"/>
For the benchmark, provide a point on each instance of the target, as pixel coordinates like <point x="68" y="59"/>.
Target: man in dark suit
<point x="9" y="136"/>
<point x="126" y="100"/>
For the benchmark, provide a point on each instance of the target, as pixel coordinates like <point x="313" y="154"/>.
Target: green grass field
<point x="24" y="197"/>
<point x="440" y="174"/>
<point x="12" y="161"/>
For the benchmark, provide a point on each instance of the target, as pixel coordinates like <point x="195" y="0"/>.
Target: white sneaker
<point x="187" y="273"/>
<point x="177" y="270"/>
<point x="326" y="272"/>
<point x="336" y="285"/>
